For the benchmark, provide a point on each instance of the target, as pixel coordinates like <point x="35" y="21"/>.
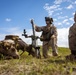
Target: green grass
<point x="28" y="65"/>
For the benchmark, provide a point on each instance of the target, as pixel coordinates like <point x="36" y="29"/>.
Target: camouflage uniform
<point x="52" y="42"/>
<point x="72" y="37"/>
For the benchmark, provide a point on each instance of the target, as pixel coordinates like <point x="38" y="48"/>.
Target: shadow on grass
<point x="60" y="60"/>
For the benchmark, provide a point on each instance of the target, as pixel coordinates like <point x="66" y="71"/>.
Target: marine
<point x="72" y="39"/>
<point x="48" y="37"/>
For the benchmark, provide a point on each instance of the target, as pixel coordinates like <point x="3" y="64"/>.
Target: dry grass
<point x="27" y="65"/>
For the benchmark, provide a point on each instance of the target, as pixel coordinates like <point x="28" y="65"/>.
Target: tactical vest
<point x="47" y="32"/>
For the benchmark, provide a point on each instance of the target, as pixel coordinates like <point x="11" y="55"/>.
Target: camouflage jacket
<point x="47" y="32"/>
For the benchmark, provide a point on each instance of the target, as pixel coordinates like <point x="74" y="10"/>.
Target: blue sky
<point x="15" y="16"/>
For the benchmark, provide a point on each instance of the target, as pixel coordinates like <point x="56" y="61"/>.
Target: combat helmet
<point x="49" y="19"/>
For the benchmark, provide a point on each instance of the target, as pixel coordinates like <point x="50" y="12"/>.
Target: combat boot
<point x="54" y="53"/>
<point x="71" y="57"/>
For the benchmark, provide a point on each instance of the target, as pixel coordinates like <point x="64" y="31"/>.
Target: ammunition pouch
<point x="46" y="36"/>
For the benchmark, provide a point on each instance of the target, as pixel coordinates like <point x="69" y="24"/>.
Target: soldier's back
<point x="72" y="37"/>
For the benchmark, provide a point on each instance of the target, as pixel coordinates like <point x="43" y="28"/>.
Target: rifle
<point x="34" y="40"/>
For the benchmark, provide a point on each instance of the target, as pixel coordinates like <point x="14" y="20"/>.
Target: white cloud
<point x="51" y="9"/>
<point x="19" y="32"/>
<point x="59" y="23"/>
<point x="62" y="17"/>
<point x="55" y="19"/>
<point x="75" y="2"/>
<point x="57" y="7"/>
<point x="71" y="19"/>
<point x="65" y="20"/>
<point x="62" y="36"/>
<point x="67" y="23"/>
<point x="8" y="19"/>
<point x="50" y="12"/>
<point x="2" y="36"/>
<point x="73" y="13"/>
<point x="61" y="1"/>
<point x="58" y="1"/>
<point x="69" y="7"/>
<point x="57" y="14"/>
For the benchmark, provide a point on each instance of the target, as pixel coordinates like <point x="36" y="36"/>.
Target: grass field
<point x="27" y="65"/>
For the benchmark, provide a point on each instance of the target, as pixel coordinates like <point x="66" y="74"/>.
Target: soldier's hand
<point x="53" y="36"/>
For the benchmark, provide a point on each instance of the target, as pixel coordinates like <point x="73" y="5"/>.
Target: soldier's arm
<point x="54" y="32"/>
<point x="38" y="29"/>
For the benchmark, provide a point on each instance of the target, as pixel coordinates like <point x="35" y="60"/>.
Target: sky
<point x="15" y="16"/>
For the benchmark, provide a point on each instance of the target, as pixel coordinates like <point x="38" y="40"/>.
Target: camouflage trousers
<point x="72" y="44"/>
<point x="47" y="44"/>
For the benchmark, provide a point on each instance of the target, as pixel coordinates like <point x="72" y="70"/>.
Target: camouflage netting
<point x="20" y="44"/>
<point x="14" y="43"/>
<point x="8" y="46"/>
<point x="13" y="37"/>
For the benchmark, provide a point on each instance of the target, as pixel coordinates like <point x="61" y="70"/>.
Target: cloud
<point x="9" y="31"/>
<point x="71" y="19"/>
<point x="8" y="19"/>
<point x="62" y="36"/>
<point x="62" y="17"/>
<point x="58" y="7"/>
<point x="57" y="14"/>
<point x="51" y="9"/>
<point x="75" y="2"/>
<point x="19" y="32"/>
<point x="59" y="23"/>
<point x="61" y="1"/>
<point x="69" y="7"/>
<point x="65" y="20"/>
<point x="58" y="1"/>
<point x="73" y="13"/>
<point x="2" y="36"/>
